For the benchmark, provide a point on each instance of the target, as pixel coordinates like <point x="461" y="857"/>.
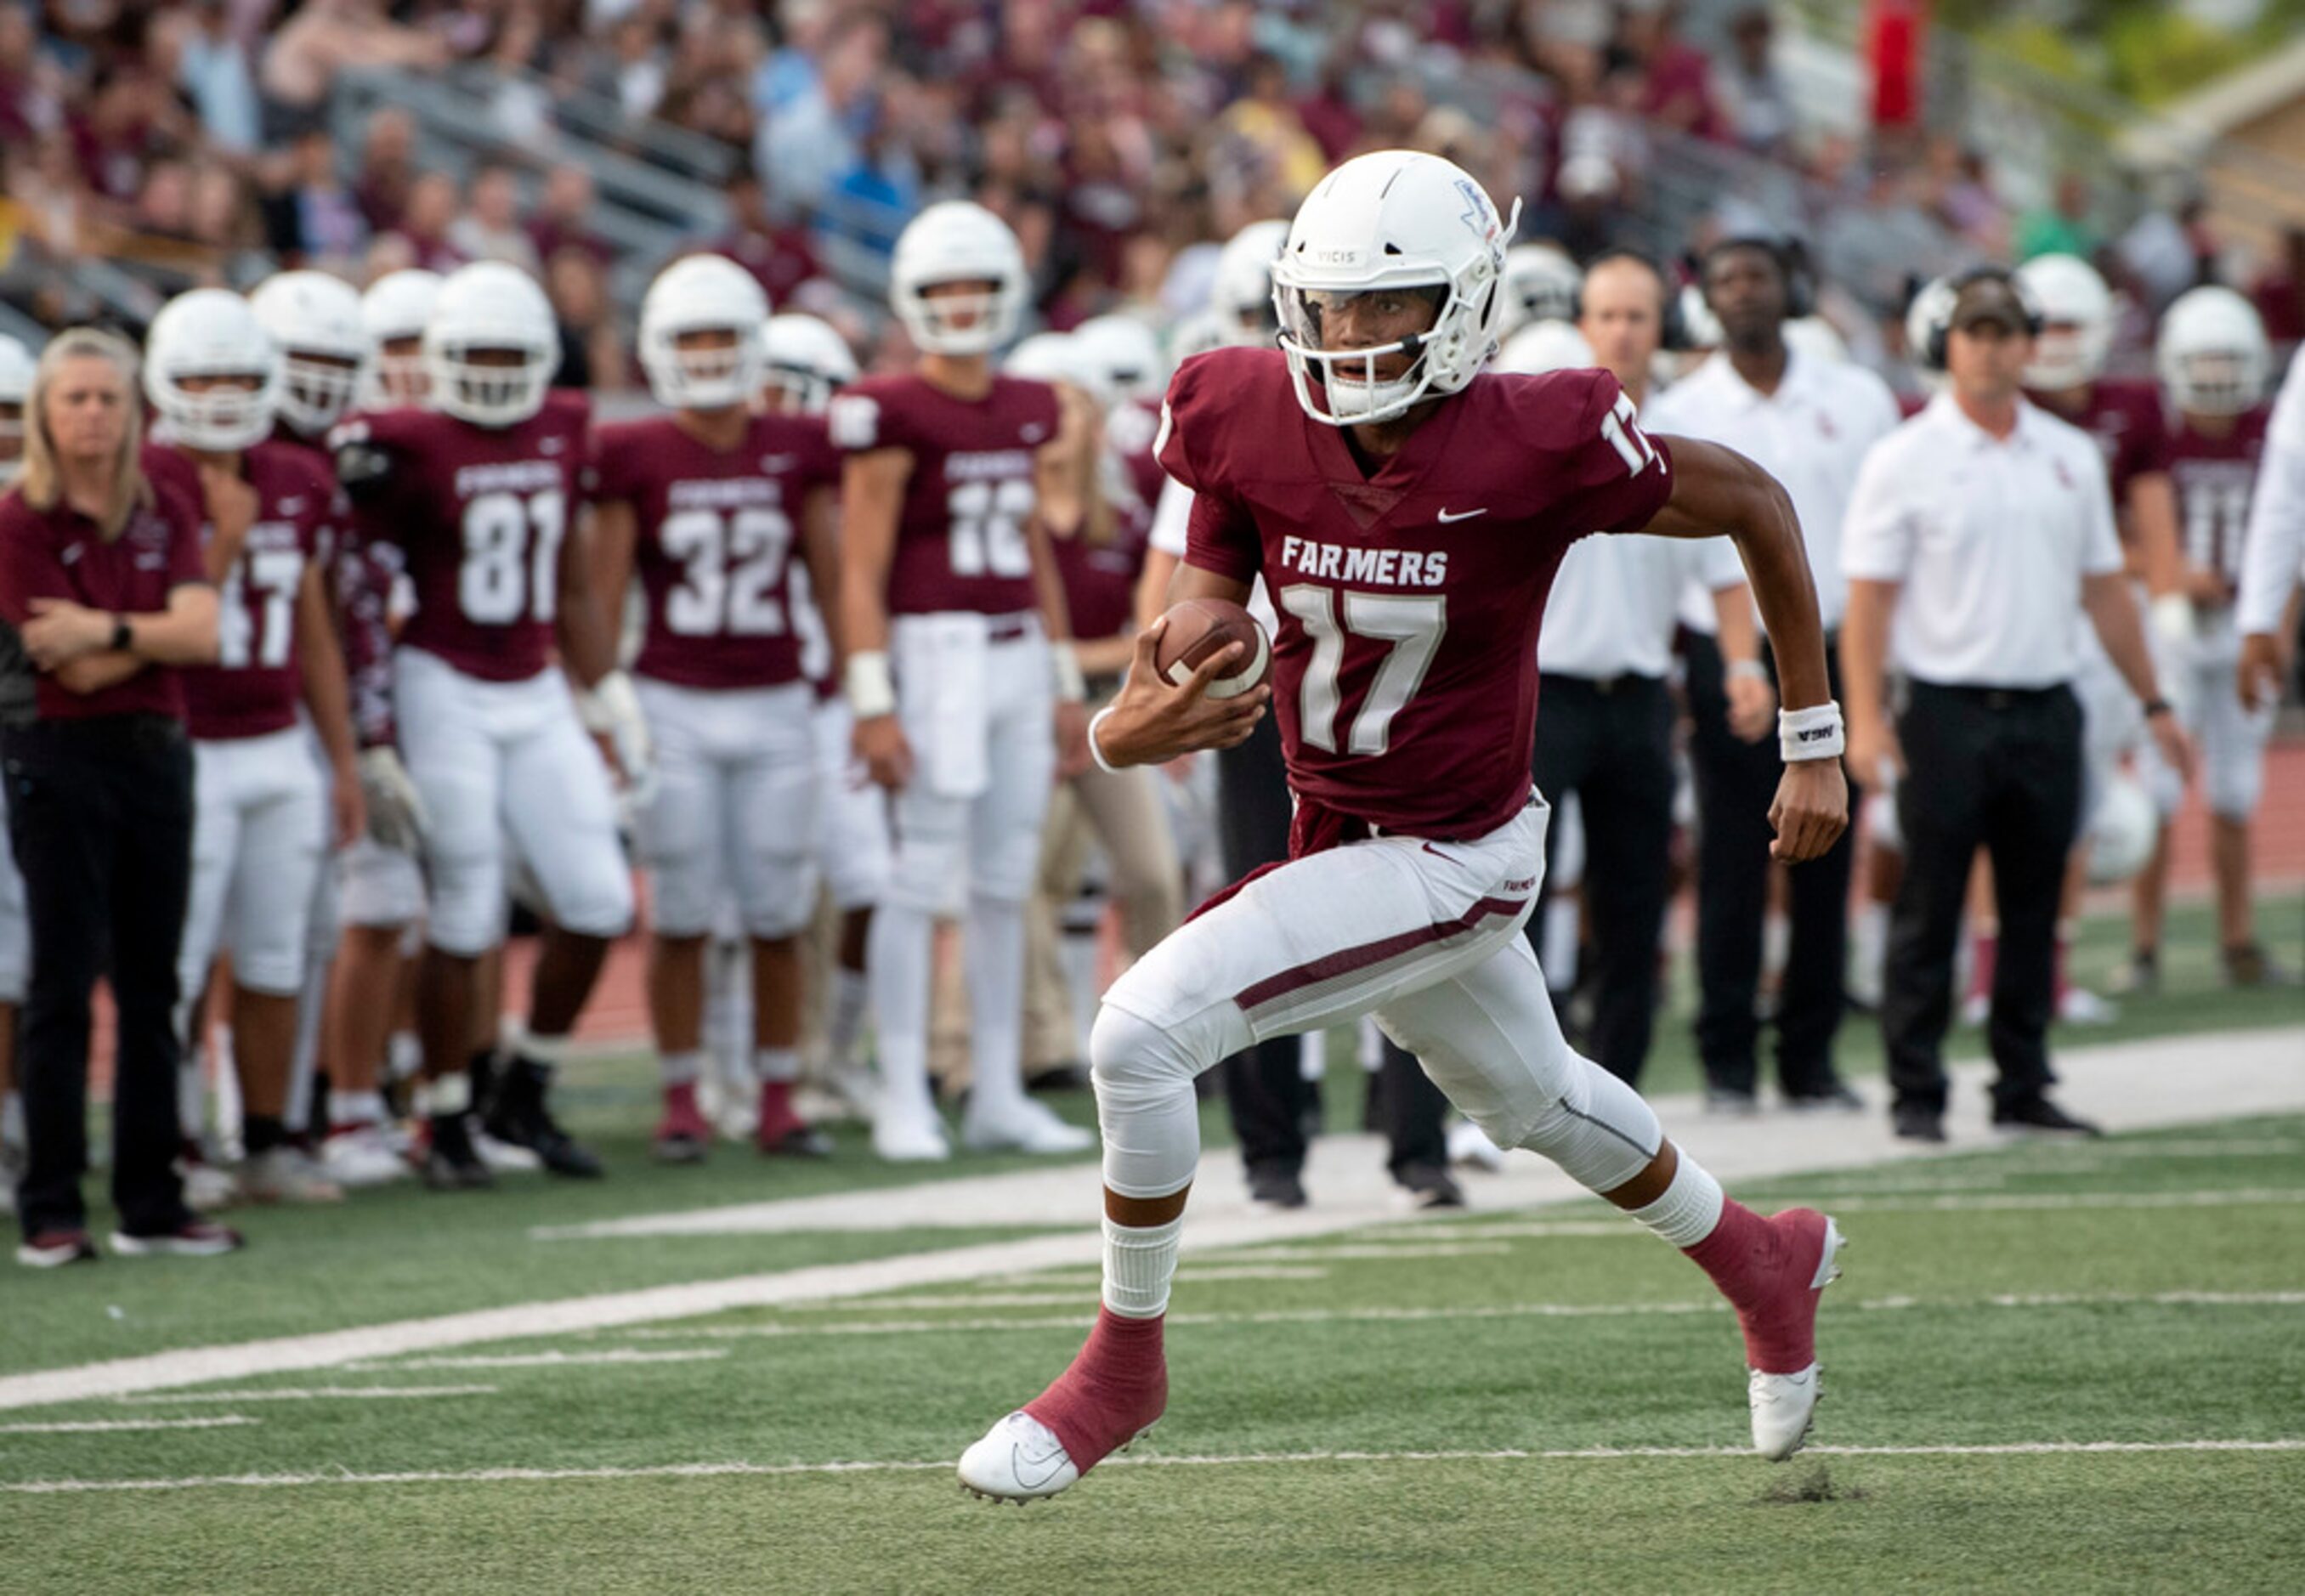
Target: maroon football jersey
<point x="960" y="541"/>
<point x="2213" y="477"/>
<point x="1404" y="672"/>
<point x="716" y="536"/>
<point x="2125" y="419"/>
<point x="479" y="515"/>
<point x="254" y="688"/>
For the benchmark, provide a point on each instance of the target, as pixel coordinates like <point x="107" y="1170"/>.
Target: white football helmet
<point x="1541" y="283"/>
<point x="315" y="319"/>
<point x="490" y="307"/>
<point x="957" y="241"/>
<point x="1931" y="310"/>
<point x="1199" y="333"/>
<point x="1545" y="346"/>
<point x="2076" y="321"/>
<point x="1240" y="298"/>
<point x="1700" y="328"/>
<point x="807" y="360"/>
<point x="1814" y="338"/>
<point x="1060" y="357"/>
<point x="2120" y="831"/>
<point x="703" y="293"/>
<point x="2213" y="355"/>
<point x="394" y="310"/>
<point x="1126" y="356"/>
<point x="16" y="371"/>
<point x="1394" y="220"/>
<point x="211" y="333"/>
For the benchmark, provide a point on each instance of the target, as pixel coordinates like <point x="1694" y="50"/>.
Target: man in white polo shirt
<point x="1605" y="716"/>
<point x="2273" y="557"/>
<point x="1979" y="535"/>
<point x="1808" y="422"/>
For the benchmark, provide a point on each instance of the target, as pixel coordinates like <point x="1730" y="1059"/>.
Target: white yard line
<point x="2137" y="1086"/>
<point x="705" y="1471"/>
<point x="541" y="1360"/>
<point x="102" y="1426"/>
<point x="314" y="1394"/>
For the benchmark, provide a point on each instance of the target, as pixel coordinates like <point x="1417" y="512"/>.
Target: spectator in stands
<point x="129" y="121"/>
<point x="316" y="220"/>
<point x="779" y="254"/>
<point x="1756" y="105"/>
<point x="432" y="206"/>
<point x="30" y="102"/>
<point x="322" y="39"/>
<point x="2063" y="227"/>
<point x="2279" y="292"/>
<point x="103" y="592"/>
<point x="591" y="348"/>
<point x="809" y="141"/>
<point x="563" y="213"/>
<point x="225" y="223"/>
<point x="211" y="64"/>
<point x="388" y="168"/>
<point x="1675" y="77"/>
<point x="489" y="228"/>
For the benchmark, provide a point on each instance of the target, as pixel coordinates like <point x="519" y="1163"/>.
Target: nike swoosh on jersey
<point x="1449" y="516"/>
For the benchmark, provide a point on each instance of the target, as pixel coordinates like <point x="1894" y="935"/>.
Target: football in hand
<point x="1200" y="628"/>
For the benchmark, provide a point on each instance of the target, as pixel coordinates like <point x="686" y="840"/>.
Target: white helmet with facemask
<point x="1240" y="298"/>
<point x="491" y="309"/>
<point x="2213" y="355"/>
<point x="17" y="368"/>
<point x="704" y="294"/>
<point x="807" y="358"/>
<point x="2076" y="322"/>
<point x="1395" y="222"/>
<point x="209" y="338"/>
<point x="394" y="311"/>
<point x="951" y="243"/>
<point x="1541" y="283"/>
<point x="1127" y="358"/>
<point x="315" y="321"/>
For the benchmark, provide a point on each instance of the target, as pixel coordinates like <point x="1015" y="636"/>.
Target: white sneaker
<point x="1783" y="1407"/>
<point x="209" y="1187"/>
<point x="503" y="1158"/>
<point x="360" y="1156"/>
<point x="1469" y="1145"/>
<point x="2081" y="1007"/>
<point x="1020" y="1460"/>
<point x="899" y="1138"/>
<point x="284" y="1175"/>
<point x="1022" y="1126"/>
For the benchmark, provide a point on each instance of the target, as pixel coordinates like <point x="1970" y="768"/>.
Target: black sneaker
<point x="1917" y="1122"/>
<point x="2038" y="1116"/>
<point x="518" y="1116"/>
<point x="1840" y="1098"/>
<point x="1276" y="1188"/>
<point x="1426" y="1186"/>
<point x="450" y="1162"/>
<point x="194" y="1238"/>
<point x="53" y="1249"/>
<point x="2247" y="965"/>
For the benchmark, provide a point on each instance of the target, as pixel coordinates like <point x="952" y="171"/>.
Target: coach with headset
<point x="1808" y="422"/>
<point x="1980" y="533"/>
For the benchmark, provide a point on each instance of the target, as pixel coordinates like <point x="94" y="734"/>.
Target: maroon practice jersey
<point x="2213" y="477"/>
<point x="716" y="536"/>
<point x="479" y="515"/>
<point x="254" y="688"/>
<point x="961" y="543"/>
<point x="2125" y="419"/>
<point x="1404" y="672"/>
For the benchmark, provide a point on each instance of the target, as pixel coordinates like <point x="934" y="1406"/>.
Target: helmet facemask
<point x="703" y="367"/>
<point x="487" y="384"/>
<point x="1355" y="391"/>
<point x="948" y="318"/>
<point x="316" y="389"/>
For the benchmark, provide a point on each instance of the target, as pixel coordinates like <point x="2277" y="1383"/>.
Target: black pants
<point x="2002" y="770"/>
<point x="1275" y="1110"/>
<point x="100" y="815"/>
<point x="1736" y="783"/>
<point x="1610" y="743"/>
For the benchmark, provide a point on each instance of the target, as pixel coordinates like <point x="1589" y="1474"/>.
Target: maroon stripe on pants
<point x="1346" y="961"/>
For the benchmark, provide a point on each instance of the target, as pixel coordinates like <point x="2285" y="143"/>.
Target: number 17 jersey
<point x="961" y="540"/>
<point x="1404" y="670"/>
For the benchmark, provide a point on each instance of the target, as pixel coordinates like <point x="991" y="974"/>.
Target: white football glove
<point x="395" y="809"/>
<point x="612" y="709"/>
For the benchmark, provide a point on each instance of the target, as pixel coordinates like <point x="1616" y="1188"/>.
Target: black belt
<point x="1624" y="681"/>
<point x="1993" y="698"/>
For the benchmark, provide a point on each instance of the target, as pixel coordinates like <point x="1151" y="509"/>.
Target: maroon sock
<point x="1988" y="955"/>
<point x="1116" y="1386"/>
<point x="2058" y="985"/>
<point x="777" y="1115"/>
<point x="1746" y="1257"/>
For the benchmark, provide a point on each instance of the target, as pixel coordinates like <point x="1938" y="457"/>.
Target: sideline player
<point x="1409" y="521"/>
<point x="958" y="653"/>
<point x="262" y="820"/>
<point x="2215" y="365"/>
<point x="711" y="505"/>
<point x="16" y="371"/>
<point x="478" y="494"/>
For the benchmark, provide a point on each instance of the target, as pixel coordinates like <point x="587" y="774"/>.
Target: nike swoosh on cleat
<point x="1018" y="1463"/>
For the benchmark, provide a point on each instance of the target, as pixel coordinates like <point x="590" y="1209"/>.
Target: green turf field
<point x="1546" y="1400"/>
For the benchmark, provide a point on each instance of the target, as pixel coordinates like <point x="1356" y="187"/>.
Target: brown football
<point x="1200" y="627"/>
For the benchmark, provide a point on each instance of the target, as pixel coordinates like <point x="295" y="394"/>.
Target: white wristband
<point x="871" y="690"/>
<point x="1814" y="732"/>
<point x="1747" y="669"/>
<point x="2172" y="618"/>
<point x="1095" y="752"/>
<point x="1063" y="665"/>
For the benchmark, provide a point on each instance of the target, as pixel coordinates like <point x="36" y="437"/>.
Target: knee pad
<point x="598" y="905"/>
<point x="1128" y="1057"/>
<point x="2233" y="778"/>
<point x="1599" y="1131"/>
<point x="1144" y="1104"/>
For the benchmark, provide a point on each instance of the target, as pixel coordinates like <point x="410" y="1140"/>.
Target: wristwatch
<point x="2159" y="706"/>
<point x="123" y="636"/>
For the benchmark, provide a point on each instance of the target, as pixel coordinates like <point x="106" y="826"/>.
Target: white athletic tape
<point x="705" y="1471"/>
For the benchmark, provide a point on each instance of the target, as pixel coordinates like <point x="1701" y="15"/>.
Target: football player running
<point x="2214" y="366"/>
<point x="262" y="824"/>
<point x="713" y="504"/>
<point x="959" y="654"/>
<point x="1408" y="513"/>
<point x="479" y="494"/>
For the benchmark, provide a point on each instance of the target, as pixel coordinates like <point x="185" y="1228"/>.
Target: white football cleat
<point x="1784" y="1406"/>
<point x="360" y="1157"/>
<point x="1022" y="1126"/>
<point x="503" y="1158"/>
<point x="284" y="1175"/>
<point x="1020" y="1460"/>
<point x="208" y="1186"/>
<point x="901" y="1138"/>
